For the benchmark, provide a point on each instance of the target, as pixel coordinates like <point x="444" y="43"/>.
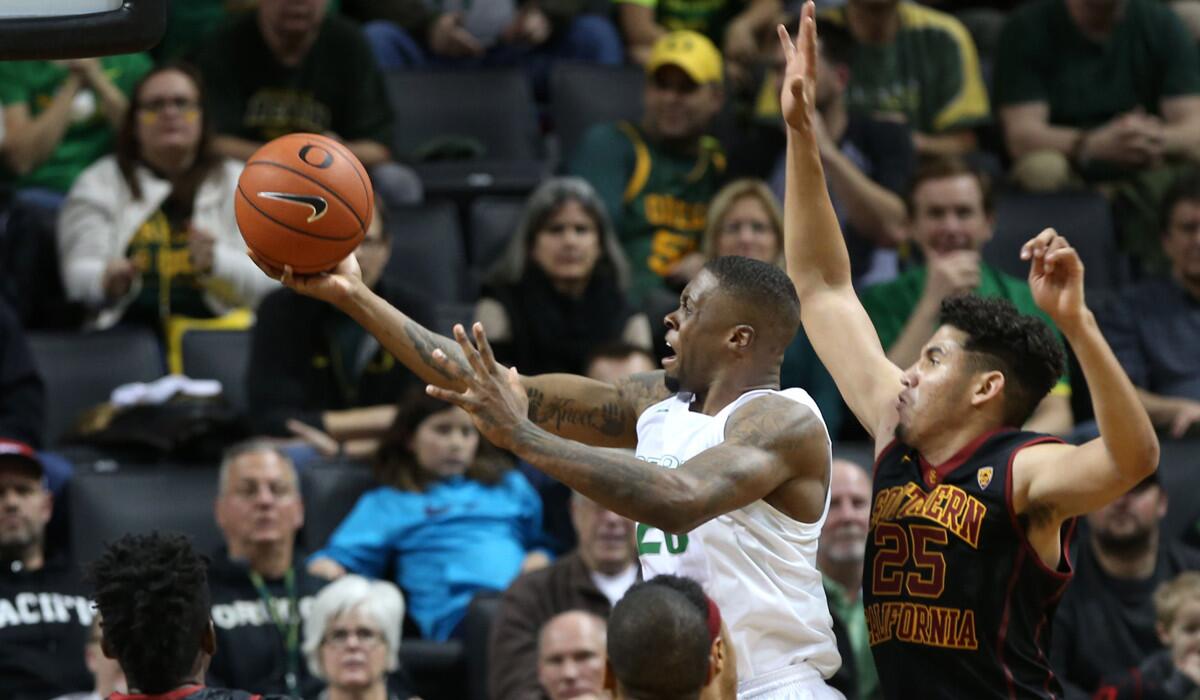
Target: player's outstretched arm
<point x="768" y="441"/>
<point x="572" y="406"/>
<point x="1067" y="480"/>
<point x="817" y="260"/>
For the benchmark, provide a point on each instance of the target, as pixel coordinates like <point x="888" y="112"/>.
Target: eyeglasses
<point x="160" y="104"/>
<point x="366" y="636"/>
<point x="733" y="227"/>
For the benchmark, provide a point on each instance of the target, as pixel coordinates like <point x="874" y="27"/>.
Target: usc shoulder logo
<point x="984" y="477"/>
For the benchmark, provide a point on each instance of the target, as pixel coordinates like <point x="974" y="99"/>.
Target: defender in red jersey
<point x="970" y="518"/>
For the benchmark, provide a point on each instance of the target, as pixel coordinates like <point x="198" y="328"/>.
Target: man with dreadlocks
<point x="152" y="595"/>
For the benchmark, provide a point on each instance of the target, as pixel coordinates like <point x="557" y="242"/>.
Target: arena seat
<point x="1085" y="218"/>
<point x="103" y="507"/>
<point x="80" y="370"/>
<point x="492" y="223"/>
<point x="428" y="253"/>
<point x="329" y="492"/>
<point x="475" y="131"/>
<point x="223" y="355"/>
<point x="584" y="94"/>
<point x="1178" y="464"/>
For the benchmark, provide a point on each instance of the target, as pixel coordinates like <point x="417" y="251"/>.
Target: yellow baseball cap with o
<point x="690" y="51"/>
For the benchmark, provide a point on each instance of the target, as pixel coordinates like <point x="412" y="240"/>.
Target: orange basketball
<point x="304" y="200"/>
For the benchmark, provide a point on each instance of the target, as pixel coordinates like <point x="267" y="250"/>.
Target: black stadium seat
<point x="428" y="253"/>
<point x="330" y="492"/>
<point x="583" y="94"/>
<point x="223" y="355"/>
<point x="493" y="222"/>
<point x="80" y="370"/>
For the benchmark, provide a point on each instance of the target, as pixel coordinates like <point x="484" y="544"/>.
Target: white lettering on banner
<point x="252" y="613"/>
<point x="8" y="614"/>
<point x="45" y="608"/>
<point x="25" y="605"/>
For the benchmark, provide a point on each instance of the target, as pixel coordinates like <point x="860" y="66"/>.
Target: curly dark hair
<point x="152" y="596"/>
<point x="1021" y="347"/>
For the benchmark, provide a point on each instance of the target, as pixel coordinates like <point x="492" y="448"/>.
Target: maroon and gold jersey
<point x="958" y="603"/>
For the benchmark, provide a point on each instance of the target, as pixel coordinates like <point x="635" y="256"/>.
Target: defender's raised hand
<point x="797" y="99"/>
<point x="493" y="396"/>
<point x="1055" y="277"/>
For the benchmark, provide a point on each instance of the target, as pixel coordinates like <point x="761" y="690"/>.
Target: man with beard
<point x="840" y="559"/>
<point x="1105" y="622"/>
<point x="44" y="609"/>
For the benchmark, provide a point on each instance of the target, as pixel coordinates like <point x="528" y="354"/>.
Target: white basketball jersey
<point x="756" y="563"/>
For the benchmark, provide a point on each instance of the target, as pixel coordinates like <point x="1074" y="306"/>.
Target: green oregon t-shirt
<point x="708" y="17"/>
<point x="930" y="73"/>
<point x="170" y="285"/>
<point x="890" y="304"/>
<point x="658" y="200"/>
<point x="90" y="136"/>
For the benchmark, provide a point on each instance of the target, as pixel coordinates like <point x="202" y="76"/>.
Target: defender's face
<point x="935" y="388"/>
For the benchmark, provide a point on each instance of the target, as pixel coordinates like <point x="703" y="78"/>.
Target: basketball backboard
<point x="56" y="29"/>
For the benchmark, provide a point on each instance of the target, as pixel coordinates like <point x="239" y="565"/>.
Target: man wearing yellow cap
<point x="656" y="177"/>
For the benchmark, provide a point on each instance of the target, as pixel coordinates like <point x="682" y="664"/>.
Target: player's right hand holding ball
<point x="337" y="286"/>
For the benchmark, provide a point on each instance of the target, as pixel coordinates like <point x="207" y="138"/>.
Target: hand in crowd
<point x="118" y="278"/>
<point x="1187" y="417"/>
<point x="534" y="561"/>
<point x="1055" y="278"/>
<point x="326" y="568"/>
<point x="200" y="249"/>
<point x="956" y="272"/>
<point x="1135" y="138"/>
<point x="531" y="26"/>
<point x="316" y="438"/>
<point x="448" y="37"/>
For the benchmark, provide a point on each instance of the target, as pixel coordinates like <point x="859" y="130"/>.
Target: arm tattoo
<point x="425" y="342"/>
<point x="555" y="413"/>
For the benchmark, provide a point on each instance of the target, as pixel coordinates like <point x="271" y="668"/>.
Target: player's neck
<point x="270" y="560"/>
<point x="376" y="691"/>
<point x="726" y="389"/>
<point x="940" y="448"/>
<point x="1136" y="565"/>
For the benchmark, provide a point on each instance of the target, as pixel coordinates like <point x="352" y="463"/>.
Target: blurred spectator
<point x="1096" y="90"/>
<point x="109" y="678"/>
<point x="558" y="290"/>
<point x="868" y="162"/>
<point x="451" y="519"/>
<point x="352" y="639"/>
<point x="259" y="595"/>
<point x="608" y="363"/>
<point x="1154" y="326"/>
<point x="1174" y="672"/>
<point x="39" y="643"/>
<point x="570" y="658"/>
<point x="191" y="23"/>
<point x="840" y="559"/>
<point x="665" y="641"/>
<point x="531" y="34"/>
<point x="286" y="68"/>
<point x="60" y="116"/>
<point x="589" y="580"/>
<point x="951" y="214"/>
<point x="317" y="373"/>
<point x="149" y="232"/>
<point x="656" y="178"/>
<point x="22" y="395"/>
<point x="734" y="25"/>
<point x="1105" y="621"/>
<point x="744" y="219"/>
<point x="918" y="65"/>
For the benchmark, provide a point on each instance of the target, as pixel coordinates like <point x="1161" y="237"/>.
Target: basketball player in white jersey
<point x="730" y="484"/>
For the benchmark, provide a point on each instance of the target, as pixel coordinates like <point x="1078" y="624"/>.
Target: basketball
<point x="303" y="200"/>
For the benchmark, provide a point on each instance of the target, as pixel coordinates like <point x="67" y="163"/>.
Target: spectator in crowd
<point x="260" y="595"/>
<point x="60" y="116"/>
<point x="613" y="361"/>
<point x="1174" y="672"/>
<point x="655" y="178"/>
<point x="1105" y="621"/>
<point x="840" y="559"/>
<point x="951" y="213"/>
<point x="107" y="674"/>
<point x="732" y="24"/>
<point x="1096" y="90"/>
<point x="570" y="658"/>
<point x="665" y="641"/>
<point x="284" y="69"/>
<point x="589" y="580"/>
<point x="190" y="24"/>
<point x="868" y="161"/>
<point x="316" y="373"/>
<point x="1154" y="326"/>
<point x="152" y="597"/>
<point x="352" y="639"/>
<point x="744" y="219"/>
<point x="559" y="289"/>
<point x="531" y="34"/>
<point x="149" y="232"/>
<point x="39" y="645"/>
<point x="916" y="64"/>
<point x="450" y="520"/>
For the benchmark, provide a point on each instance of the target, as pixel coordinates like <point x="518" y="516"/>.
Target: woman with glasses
<point x="744" y="219"/>
<point x="149" y="232"/>
<point x="352" y="638"/>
